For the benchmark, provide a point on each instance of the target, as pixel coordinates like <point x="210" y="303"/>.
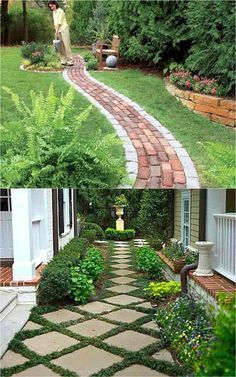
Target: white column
<point x="23" y="267"/>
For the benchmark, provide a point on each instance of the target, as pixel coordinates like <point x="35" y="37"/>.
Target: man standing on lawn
<point x="61" y="32"/>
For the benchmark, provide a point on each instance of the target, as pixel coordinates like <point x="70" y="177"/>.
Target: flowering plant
<point x="186" y="80"/>
<point x="185" y="326"/>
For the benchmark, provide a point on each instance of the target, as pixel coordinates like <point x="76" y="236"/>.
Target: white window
<point x="185" y="218"/>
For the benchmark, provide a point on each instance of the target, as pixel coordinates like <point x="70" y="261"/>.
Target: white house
<point x="208" y="215"/>
<point x="34" y="225"/>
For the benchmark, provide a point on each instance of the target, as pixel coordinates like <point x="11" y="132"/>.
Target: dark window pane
<point x="4" y="204"/>
<point x="3" y="192"/>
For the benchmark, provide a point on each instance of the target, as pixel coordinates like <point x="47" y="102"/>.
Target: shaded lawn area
<point x="22" y="82"/>
<point x="210" y="145"/>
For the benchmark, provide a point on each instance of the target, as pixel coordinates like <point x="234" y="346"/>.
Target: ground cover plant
<point x="205" y="141"/>
<point x="185" y="327"/>
<point x="13" y="134"/>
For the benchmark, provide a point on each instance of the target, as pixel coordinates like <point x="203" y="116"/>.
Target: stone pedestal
<point x="119" y="221"/>
<point x="204" y="268"/>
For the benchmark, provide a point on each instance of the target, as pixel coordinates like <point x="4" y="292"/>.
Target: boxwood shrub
<point x="94" y="227"/>
<point x="119" y="235"/>
<point x="55" y="280"/>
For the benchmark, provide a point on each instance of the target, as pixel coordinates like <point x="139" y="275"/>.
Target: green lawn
<point x="22" y="82"/>
<point x="210" y="145"/>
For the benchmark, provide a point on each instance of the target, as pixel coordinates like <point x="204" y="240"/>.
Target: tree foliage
<point x="212" y="32"/>
<point x="82" y="12"/>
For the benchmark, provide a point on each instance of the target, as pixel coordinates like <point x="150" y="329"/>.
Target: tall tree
<point x="4" y="21"/>
<point x="25" y="20"/>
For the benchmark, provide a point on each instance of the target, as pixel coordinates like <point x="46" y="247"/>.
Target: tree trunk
<point x="4" y="22"/>
<point x="25" y="20"/>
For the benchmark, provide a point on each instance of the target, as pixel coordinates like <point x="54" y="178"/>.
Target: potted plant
<point x="174" y="251"/>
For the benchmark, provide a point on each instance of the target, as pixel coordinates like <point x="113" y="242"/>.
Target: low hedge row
<point x="119" y="235"/>
<point x="56" y="282"/>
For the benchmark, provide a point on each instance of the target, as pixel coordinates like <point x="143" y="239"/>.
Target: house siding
<point x="194" y="216"/>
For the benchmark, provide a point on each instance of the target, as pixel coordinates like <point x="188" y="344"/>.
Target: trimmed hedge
<point x="119" y="235"/>
<point x="55" y="279"/>
<point x="94" y="227"/>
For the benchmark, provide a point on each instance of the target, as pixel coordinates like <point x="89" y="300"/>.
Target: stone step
<point x="13" y="323"/>
<point x="8" y="302"/>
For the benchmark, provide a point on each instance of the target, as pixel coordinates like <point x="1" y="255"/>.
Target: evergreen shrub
<point x="119" y="235"/>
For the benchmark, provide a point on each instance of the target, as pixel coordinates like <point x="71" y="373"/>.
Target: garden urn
<point x="119" y="221"/>
<point x="203" y="268"/>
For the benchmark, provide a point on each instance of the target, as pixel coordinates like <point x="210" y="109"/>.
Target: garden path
<point x="155" y="159"/>
<point x="112" y="336"/>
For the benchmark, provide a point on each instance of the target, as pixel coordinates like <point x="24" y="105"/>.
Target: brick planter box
<point x="217" y="109"/>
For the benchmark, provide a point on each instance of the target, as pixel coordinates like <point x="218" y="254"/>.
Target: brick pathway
<point x="154" y="158"/>
<point x="113" y="336"/>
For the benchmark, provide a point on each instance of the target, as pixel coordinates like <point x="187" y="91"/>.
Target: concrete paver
<point x="87" y="361"/>
<point x="130" y="340"/>
<point x="11" y="359"/>
<point x="137" y="370"/>
<point x="123" y="299"/>
<point x="97" y="307"/>
<point x="122" y="288"/>
<point x="62" y="315"/>
<point x="92" y="328"/>
<point x="50" y="342"/>
<point x="37" y="371"/>
<point x="124" y="315"/>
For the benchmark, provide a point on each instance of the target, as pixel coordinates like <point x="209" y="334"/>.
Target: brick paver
<point x="154" y="158"/>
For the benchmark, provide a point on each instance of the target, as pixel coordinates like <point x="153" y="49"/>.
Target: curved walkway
<point x="155" y="159"/>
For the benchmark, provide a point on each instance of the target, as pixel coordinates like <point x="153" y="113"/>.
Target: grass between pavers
<point x="22" y="82"/>
<point x="210" y="145"/>
<point x="143" y="357"/>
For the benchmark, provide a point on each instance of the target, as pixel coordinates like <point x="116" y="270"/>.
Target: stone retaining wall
<point x="217" y="109"/>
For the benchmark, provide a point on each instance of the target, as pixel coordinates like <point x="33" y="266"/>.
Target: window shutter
<point x="61" y="211"/>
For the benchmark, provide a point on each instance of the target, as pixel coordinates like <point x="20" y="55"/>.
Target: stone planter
<point x="119" y="221"/>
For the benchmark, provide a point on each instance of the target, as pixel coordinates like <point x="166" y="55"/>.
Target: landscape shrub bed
<point x="85" y="275"/>
<point x="119" y="235"/>
<point x="147" y="260"/>
<point x="55" y="280"/>
<point x="40" y="56"/>
<point x="185" y="327"/>
<point x="162" y="290"/>
<point x="71" y="274"/>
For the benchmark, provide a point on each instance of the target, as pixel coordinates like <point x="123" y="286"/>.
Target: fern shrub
<point x="50" y="152"/>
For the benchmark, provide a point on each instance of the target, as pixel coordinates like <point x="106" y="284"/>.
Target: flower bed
<point x="40" y="57"/>
<point x="217" y="109"/>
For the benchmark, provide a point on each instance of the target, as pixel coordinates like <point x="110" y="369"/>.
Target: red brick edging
<point x="159" y="163"/>
<point x="213" y="284"/>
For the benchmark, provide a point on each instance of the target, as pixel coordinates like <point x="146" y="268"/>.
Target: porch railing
<point x="225" y="248"/>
